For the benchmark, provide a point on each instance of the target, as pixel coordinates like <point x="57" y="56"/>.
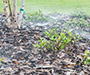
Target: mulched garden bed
<point x="20" y="58"/>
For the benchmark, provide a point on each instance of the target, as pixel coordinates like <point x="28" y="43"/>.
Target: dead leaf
<point x="69" y="65"/>
<point x="16" y="62"/>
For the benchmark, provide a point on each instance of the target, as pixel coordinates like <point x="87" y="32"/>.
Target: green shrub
<point x="54" y="40"/>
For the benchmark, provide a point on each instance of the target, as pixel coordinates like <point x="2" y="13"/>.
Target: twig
<point x="10" y="8"/>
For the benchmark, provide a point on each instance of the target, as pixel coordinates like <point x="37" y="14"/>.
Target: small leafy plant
<point x="86" y="58"/>
<point x="37" y="17"/>
<point x="79" y="18"/>
<point x="80" y="22"/>
<point x="80" y="13"/>
<point x="54" y="41"/>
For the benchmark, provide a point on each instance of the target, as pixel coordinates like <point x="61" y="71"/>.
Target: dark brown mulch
<point x="20" y="58"/>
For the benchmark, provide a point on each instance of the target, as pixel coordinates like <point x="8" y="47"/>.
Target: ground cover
<point x="50" y="6"/>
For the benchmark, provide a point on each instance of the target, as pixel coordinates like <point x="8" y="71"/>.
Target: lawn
<point x="50" y="6"/>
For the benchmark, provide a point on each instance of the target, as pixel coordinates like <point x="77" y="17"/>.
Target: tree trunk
<point x="15" y="8"/>
<point x="6" y="12"/>
<point x="21" y="13"/>
<point x="14" y="21"/>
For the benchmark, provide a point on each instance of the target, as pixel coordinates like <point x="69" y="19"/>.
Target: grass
<point x="51" y="6"/>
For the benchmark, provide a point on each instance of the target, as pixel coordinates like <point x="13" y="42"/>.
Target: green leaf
<point x="56" y="48"/>
<point x="83" y="65"/>
<point x="46" y="33"/>
<point x="48" y="48"/>
<point x="0" y="59"/>
<point x="67" y="28"/>
<point x="62" y="47"/>
<point x="87" y="53"/>
<point x="41" y="38"/>
<point x="52" y="37"/>
<point x="33" y="45"/>
<point x="64" y="37"/>
<point x="88" y="59"/>
<point x="74" y="63"/>
<point x="65" y="41"/>
<point x="51" y="30"/>
<point x="50" y="34"/>
<point x="42" y="50"/>
<point x="55" y="28"/>
<point x="48" y="42"/>
<point x="62" y="34"/>
<point x="56" y="35"/>
<point x="88" y="63"/>
<point x="40" y="41"/>
<point x="59" y="44"/>
<point x="40" y="44"/>
<point x="37" y="45"/>
<point x="44" y="43"/>
<point x="85" y="62"/>
<point x="69" y="33"/>
<point x="68" y="40"/>
<point x="68" y="51"/>
<point x="59" y="38"/>
<point x="85" y="56"/>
